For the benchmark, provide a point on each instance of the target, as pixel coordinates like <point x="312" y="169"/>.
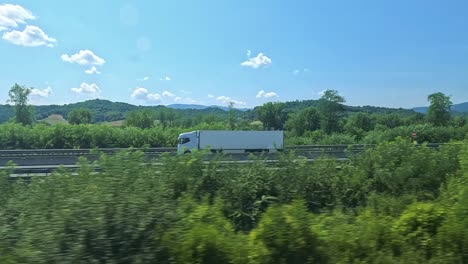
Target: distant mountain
<point x="462" y="108"/>
<point x="201" y="107"/>
<point x="187" y="106"/>
<point x="292" y="106"/>
<point x="420" y="109"/>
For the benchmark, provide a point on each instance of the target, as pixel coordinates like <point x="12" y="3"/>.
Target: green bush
<point x="284" y="235"/>
<point x="395" y="203"/>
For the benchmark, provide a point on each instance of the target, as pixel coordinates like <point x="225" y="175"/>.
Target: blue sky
<point x="385" y="53"/>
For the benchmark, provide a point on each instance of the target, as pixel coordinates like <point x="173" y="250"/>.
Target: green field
<point x="54" y="119"/>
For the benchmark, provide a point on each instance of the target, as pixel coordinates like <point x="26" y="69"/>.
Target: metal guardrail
<point x="149" y="151"/>
<point x="45" y="161"/>
<point x="78" y="152"/>
<point x="146" y="151"/>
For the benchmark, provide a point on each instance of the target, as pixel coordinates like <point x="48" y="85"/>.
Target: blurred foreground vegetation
<point x="395" y="203"/>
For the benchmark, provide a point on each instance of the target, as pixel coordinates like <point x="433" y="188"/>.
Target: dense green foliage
<point x="439" y="110"/>
<point x="331" y="109"/>
<point x="79" y="116"/>
<point x="18" y="95"/>
<point x="16" y="136"/>
<point x="395" y="203"/>
<point x="141" y="119"/>
<point x="272" y="115"/>
<point x="307" y="119"/>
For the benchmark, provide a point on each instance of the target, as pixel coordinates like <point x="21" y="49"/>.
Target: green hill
<point x="6" y="112"/>
<point x="297" y="105"/>
<point x="107" y="111"/>
<point x="103" y="110"/>
<point x="460" y="108"/>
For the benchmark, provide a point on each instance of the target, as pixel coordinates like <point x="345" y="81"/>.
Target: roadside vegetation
<point x="395" y="203"/>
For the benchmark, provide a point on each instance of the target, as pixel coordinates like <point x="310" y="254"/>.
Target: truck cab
<point x="186" y="142"/>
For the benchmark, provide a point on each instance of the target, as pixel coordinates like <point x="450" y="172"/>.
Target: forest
<point x="399" y="201"/>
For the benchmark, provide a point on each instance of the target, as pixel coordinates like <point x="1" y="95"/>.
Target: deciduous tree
<point x="307" y="119"/>
<point x="439" y="109"/>
<point x="232" y="116"/>
<point x="80" y="116"/>
<point x="18" y="95"/>
<point x="141" y="119"/>
<point x="331" y="110"/>
<point x="272" y="115"/>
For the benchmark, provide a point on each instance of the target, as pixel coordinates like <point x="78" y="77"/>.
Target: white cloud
<point x="168" y="94"/>
<point x="297" y="71"/>
<point x="143" y="94"/>
<point x="92" y="70"/>
<point x="249" y="52"/>
<point x="139" y="93"/>
<point x="321" y="93"/>
<point x="31" y="36"/>
<point x="46" y="92"/>
<point x="223" y="98"/>
<point x="226" y="100"/>
<point x="154" y="98"/>
<point x="143" y="79"/>
<point x="263" y="94"/>
<point x="211" y="96"/>
<point x="83" y="57"/>
<point x="256" y="62"/>
<point x="85" y="88"/>
<point x="12" y="15"/>
<point x="166" y="78"/>
<point x="178" y="99"/>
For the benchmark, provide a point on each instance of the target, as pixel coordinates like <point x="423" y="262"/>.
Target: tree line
<point x="328" y="121"/>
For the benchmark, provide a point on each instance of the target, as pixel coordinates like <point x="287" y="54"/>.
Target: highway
<point x="44" y="161"/>
<point x="46" y="157"/>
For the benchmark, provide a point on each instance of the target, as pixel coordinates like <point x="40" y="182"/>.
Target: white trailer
<point x="228" y="141"/>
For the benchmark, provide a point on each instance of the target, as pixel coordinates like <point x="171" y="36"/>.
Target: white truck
<point x="228" y="141"/>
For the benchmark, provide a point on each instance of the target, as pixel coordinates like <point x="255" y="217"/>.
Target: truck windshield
<point x="183" y="140"/>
